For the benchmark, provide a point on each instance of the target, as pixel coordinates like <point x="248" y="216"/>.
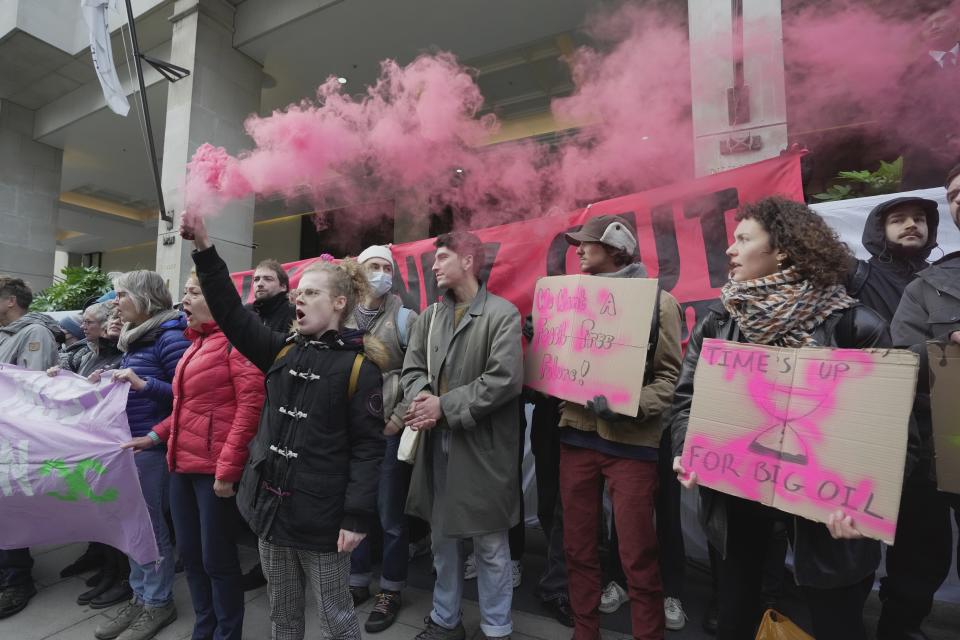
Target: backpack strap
<point x="654" y="340"/>
<point x="403" y="317"/>
<point x="354" y="376"/>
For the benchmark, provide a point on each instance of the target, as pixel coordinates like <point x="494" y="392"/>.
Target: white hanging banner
<point x="95" y="15"/>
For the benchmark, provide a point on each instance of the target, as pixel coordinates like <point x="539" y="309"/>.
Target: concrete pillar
<point x="209" y="105"/>
<point x="739" y="114"/>
<point x="29" y="191"/>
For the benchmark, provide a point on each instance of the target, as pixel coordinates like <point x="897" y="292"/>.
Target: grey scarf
<point x="131" y="333"/>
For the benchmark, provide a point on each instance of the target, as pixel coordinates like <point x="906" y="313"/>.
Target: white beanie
<point x="375" y="251"/>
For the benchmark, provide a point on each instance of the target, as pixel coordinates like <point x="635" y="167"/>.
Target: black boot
<point x="108" y="579"/>
<point x="91" y="559"/>
<point x="119" y="590"/>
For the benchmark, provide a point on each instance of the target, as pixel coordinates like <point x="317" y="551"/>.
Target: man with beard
<point x="270" y="287"/>
<point x="899" y="234"/>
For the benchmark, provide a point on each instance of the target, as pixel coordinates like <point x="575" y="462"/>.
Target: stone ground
<point x="54" y="615"/>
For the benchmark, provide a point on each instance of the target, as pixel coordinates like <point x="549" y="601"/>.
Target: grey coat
<point x="929" y="310"/>
<point x="483" y="362"/>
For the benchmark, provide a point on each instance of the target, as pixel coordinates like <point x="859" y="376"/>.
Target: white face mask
<point x="380" y="282"/>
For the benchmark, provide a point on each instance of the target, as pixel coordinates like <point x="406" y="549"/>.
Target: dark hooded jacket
<point x="879" y="282"/>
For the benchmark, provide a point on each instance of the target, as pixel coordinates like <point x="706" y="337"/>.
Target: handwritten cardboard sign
<point x="590" y="338"/>
<point x="808" y="431"/>
<point x="945" y="407"/>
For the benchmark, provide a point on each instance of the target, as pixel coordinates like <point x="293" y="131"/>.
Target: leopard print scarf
<point x="782" y="309"/>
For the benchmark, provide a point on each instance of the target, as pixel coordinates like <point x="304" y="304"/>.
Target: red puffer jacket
<point x="217" y="398"/>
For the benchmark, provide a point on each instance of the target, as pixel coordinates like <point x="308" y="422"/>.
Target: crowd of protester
<point x="322" y="420"/>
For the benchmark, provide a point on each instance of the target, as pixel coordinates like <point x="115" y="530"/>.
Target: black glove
<point x="528" y="328"/>
<point x="601" y="409"/>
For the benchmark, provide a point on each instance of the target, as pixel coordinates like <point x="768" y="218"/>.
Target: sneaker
<point x="359" y="595"/>
<point x="14" y="599"/>
<point x="125" y="617"/>
<point x="150" y="621"/>
<point x="433" y="631"/>
<point x="384" y="611"/>
<point x="673" y="610"/>
<point x="517" y="573"/>
<point x="612" y="598"/>
<point x="470" y="567"/>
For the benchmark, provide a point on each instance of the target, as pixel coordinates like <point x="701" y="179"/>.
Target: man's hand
<point x="127" y="375"/>
<point x="955" y="337"/>
<point x="841" y="527"/>
<point x="94" y="378"/>
<point x="601" y="409"/>
<point x="139" y="443"/>
<point x="424" y="412"/>
<point x="223" y="489"/>
<point x="349" y="540"/>
<point x="391" y="428"/>
<point x="53" y="371"/>
<point x="193" y="228"/>
<point x="687" y="480"/>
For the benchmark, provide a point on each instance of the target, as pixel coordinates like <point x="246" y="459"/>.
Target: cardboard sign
<point x="808" y="431"/>
<point x="945" y="407"/>
<point x="590" y="338"/>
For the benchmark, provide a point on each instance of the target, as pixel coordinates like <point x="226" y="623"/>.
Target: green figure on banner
<point x="76" y="480"/>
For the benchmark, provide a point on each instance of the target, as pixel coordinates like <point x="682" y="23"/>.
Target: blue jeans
<point x="494" y="569"/>
<point x="152" y="583"/>
<point x="204" y="526"/>
<point x="391" y="499"/>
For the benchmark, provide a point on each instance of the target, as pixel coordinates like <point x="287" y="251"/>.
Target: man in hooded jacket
<point x="899" y="234"/>
<point x="28" y="340"/>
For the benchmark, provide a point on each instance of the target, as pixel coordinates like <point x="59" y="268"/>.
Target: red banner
<point x="683" y="231"/>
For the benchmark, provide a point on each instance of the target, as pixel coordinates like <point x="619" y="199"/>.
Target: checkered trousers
<point x="287" y="571"/>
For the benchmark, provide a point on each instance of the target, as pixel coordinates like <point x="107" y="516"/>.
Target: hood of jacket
<point x="632" y="270"/>
<point x="35" y="318"/>
<point x="875" y="236"/>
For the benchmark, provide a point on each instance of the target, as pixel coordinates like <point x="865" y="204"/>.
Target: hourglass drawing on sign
<point x="795" y="412"/>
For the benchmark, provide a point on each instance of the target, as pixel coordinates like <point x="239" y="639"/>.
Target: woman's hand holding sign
<point x="687" y="480"/>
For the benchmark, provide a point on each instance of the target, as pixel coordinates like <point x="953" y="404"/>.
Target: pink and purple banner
<point x="63" y="476"/>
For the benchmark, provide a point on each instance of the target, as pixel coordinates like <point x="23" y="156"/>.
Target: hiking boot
<point x="150" y="621"/>
<point x="14" y="599"/>
<point x="433" y="631"/>
<point x="117" y="593"/>
<point x="359" y="595"/>
<point x="384" y="611"/>
<point x="612" y="598"/>
<point x="125" y="617"/>
<point x="676" y="619"/>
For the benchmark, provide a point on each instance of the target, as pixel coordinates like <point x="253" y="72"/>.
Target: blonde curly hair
<point x="346" y="278"/>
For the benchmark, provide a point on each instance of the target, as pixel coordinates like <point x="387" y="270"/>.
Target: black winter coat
<point x="314" y="464"/>
<point x="820" y="561"/>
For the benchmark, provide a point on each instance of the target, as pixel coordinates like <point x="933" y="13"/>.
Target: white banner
<point x="95" y="15"/>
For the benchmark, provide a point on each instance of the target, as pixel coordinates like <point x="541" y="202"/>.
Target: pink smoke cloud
<point x="419" y="124"/>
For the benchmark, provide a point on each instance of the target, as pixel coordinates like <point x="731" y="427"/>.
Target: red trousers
<point x="632" y="485"/>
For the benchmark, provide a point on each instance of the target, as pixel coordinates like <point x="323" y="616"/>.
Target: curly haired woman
<point x="785" y="289"/>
